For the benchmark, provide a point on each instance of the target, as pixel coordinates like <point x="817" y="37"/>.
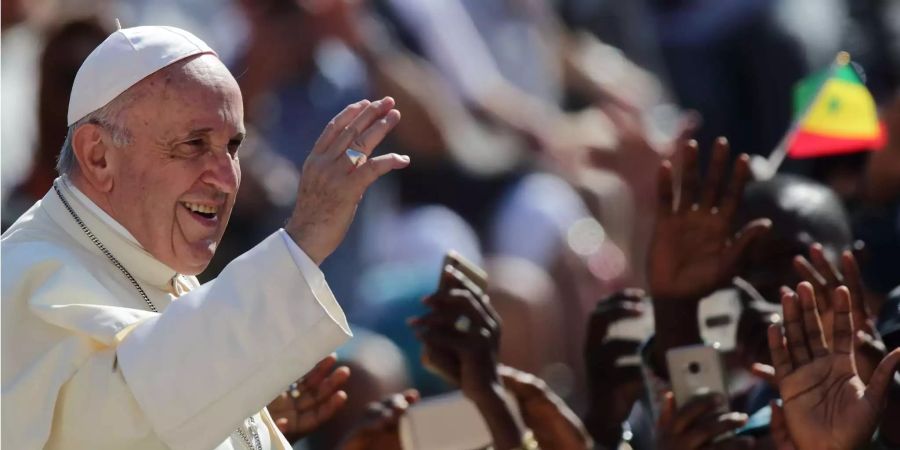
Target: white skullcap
<point x="127" y="56"/>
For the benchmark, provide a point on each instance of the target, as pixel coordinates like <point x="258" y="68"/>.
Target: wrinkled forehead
<point x="197" y="92"/>
<point x="203" y="74"/>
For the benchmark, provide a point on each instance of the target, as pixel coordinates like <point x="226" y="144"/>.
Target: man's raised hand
<point x="825" y="403"/>
<point x="331" y="185"/>
<point x="694" y="251"/>
<point x="868" y="349"/>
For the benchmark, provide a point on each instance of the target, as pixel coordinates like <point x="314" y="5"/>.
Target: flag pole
<point x="779" y="154"/>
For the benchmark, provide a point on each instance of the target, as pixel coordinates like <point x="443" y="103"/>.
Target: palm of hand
<point x="693" y="250"/>
<point x="687" y="255"/>
<point x="824" y="404"/>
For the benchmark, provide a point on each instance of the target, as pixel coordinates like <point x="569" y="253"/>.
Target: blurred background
<point x="535" y="129"/>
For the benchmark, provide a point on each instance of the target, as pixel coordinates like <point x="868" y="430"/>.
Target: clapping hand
<point x="312" y="401"/>
<point x="825" y="278"/>
<point x="825" y="403"/>
<point x="332" y="182"/>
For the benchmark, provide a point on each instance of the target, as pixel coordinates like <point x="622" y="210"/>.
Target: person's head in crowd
<point x="177" y="130"/>
<point x="802" y="212"/>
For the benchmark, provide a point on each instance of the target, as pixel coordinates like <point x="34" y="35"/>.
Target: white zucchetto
<point x="127" y="56"/>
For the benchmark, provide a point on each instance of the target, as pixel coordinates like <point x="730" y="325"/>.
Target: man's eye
<point x="195" y="143"/>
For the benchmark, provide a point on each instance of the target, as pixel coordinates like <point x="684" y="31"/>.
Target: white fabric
<point x="98" y="211"/>
<point x="86" y="366"/>
<point x="124" y="58"/>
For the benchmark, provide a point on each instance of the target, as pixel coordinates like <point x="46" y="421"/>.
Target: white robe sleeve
<point x="219" y="353"/>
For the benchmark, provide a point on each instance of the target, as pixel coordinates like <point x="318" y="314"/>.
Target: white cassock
<point x="86" y="365"/>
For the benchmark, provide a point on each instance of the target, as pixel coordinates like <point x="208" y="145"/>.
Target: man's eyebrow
<point x="200" y="131"/>
<point x="237" y="138"/>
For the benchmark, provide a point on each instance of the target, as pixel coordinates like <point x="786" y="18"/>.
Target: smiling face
<point x="174" y="184"/>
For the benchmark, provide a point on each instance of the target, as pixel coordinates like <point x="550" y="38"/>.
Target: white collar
<point x="112" y="234"/>
<point x="99" y="212"/>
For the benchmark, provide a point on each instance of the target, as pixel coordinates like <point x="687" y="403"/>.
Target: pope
<point x="109" y="341"/>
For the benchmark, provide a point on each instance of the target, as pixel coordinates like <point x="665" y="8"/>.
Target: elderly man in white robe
<point x="109" y="341"/>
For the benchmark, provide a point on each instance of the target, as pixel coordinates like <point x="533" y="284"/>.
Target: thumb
<point x="877" y="389"/>
<point x="374" y="168"/>
<point x="766" y="372"/>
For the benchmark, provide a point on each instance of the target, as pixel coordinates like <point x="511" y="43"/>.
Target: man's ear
<point x="91" y="152"/>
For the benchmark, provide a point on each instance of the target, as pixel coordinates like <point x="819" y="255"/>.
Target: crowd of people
<point x="598" y="160"/>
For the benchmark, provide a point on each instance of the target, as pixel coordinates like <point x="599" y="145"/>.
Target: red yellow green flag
<point x="836" y="114"/>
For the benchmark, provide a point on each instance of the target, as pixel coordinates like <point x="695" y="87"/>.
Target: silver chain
<point x="115" y="262"/>
<point x="103" y="250"/>
<point x="256" y="440"/>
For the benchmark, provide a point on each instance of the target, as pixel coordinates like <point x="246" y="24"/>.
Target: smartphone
<point x="696" y="370"/>
<point x="475" y="274"/>
<point x="448" y="421"/>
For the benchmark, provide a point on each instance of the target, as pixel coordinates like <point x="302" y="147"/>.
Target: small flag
<point x="835" y="114"/>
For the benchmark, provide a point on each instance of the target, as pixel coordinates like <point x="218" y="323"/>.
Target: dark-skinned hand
<point x="613" y="389"/>
<point x="825" y="278"/>
<point x="476" y="350"/>
<point x="697" y="424"/>
<point x="320" y="399"/>
<point x="825" y="403"/>
<point x="694" y="251"/>
<point x="380" y="428"/>
<point x="553" y="423"/>
<point x="475" y="346"/>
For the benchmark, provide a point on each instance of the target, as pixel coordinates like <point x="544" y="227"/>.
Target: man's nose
<point x="222" y="172"/>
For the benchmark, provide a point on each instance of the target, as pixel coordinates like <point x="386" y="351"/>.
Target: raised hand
<point x="312" y="401"/>
<point x="613" y="388"/>
<point x="825" y="403"/>
<point x="331" y="184"/>
<point x="379" y="429"/>
<point x="697" y="425"/>
<point x="464" y="325"/>
<point x="825" y="278"/>
<point x="694" y="251"/>
<point x="553" y="423"/>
